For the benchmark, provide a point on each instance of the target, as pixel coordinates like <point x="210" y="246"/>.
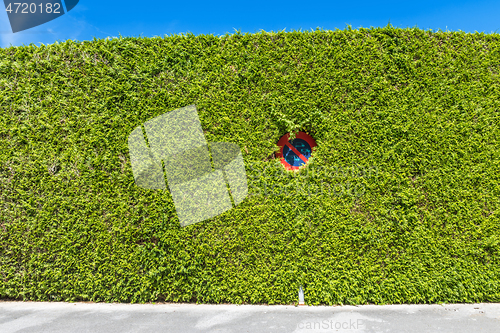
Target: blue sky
<point x="112" y="18"/>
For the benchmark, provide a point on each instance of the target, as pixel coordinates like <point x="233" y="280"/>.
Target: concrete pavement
<point x="166" y="317"/>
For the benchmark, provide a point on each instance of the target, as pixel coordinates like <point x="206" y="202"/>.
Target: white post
<point x="301" y="296"/>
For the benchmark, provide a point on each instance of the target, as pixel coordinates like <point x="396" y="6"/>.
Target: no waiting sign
<point x="295" y="153"/>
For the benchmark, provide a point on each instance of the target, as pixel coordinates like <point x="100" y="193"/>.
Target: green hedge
<point x="399" y="204"/>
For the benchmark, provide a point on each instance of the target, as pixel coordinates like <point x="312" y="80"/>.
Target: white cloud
<point x="66" y="27"/>
<point x="33" y="35"/>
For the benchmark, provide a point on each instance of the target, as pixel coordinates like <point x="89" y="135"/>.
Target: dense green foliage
<point x="399" y="204"/>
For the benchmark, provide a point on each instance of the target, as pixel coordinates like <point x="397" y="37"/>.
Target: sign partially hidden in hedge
<point x="295" y="153"/>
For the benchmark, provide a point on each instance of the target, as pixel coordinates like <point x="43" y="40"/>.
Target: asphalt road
<point x="101" y="317"/>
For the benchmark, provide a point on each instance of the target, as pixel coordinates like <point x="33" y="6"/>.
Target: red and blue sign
<point x="295" y="153"/>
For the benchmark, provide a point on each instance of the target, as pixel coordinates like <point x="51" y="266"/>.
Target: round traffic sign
<point x="295" y="153"/>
